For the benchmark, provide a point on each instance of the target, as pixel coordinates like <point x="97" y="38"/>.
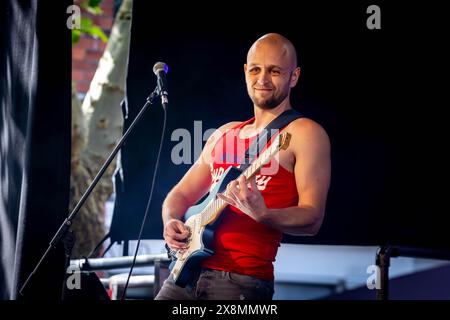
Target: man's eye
<point x="276" y="72"/>
<point x="253" y="70"/>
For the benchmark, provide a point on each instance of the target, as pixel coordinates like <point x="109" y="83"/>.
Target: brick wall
<point x="88" y="51"/>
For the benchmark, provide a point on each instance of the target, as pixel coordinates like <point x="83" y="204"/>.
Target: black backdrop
<point x="374" y="91"/>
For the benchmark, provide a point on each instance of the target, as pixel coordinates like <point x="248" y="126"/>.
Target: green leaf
<point x="97" y="32"/>
<point x="92" y="6"/>
<point x="94" y="3"/>
<point x="96" y="10"/>
<point x="86" y="23"/>
<point x="75" y="36"/>
<point x="88" y="27"/>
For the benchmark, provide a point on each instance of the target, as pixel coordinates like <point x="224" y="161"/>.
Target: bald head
<point x="277" y="42"/>
<point x="271" y="71"/>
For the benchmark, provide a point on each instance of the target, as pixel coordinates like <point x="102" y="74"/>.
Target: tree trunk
<point x="97" y="127"/>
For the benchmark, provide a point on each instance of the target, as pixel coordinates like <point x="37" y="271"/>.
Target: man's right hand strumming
<point x="176" y="233"/>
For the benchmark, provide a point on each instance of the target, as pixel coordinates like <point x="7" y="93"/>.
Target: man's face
<point x="268" y="75"/>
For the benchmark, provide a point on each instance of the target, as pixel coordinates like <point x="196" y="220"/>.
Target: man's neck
<point x="264" y="116"/>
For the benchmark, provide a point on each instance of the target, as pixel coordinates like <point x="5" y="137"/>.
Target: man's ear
<point x="294" y="77"/>
<point x="245" y="68"/>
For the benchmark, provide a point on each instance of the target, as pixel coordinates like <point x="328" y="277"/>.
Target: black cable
<point x="148" y="205"/>
<point x="97" y="247"/>
<point x="107" y="248"/>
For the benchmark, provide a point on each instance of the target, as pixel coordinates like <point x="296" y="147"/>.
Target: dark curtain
<point x="372" y="90"/>
<point x="35" y="131"/>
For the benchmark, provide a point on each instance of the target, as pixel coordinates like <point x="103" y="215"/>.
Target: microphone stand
<point x="64" y="228"/>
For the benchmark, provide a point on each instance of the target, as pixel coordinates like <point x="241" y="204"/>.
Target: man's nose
<point x="263" y="77"/>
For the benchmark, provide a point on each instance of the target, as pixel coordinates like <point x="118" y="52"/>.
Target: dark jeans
<point x="219" y="285"/>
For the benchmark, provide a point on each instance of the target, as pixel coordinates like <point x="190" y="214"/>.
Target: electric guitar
<point x="203" y="219"/>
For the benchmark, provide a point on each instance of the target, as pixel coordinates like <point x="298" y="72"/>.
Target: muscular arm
<point x="312" y="170"/>
<point x="192" y="187"/>
<point x="187" y="192"/>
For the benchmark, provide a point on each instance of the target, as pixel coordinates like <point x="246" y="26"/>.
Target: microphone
<point x="160" y="69"/>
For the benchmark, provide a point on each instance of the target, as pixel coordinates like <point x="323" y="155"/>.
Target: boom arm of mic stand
<point x="68" y="221"/>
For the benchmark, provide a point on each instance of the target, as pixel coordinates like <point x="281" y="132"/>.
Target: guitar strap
<point x="264" y="137"/>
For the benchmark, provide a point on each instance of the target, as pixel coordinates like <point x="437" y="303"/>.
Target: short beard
<point x="271" y="103"/>
<point x="268" y="104"/>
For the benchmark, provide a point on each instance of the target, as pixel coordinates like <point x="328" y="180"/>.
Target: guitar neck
<point x="262" y="160"/>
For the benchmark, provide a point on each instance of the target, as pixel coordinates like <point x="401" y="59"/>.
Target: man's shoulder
<point x="305" y="126"/>
<point x="306" y="131"/>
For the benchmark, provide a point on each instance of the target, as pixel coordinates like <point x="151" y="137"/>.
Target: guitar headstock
<point x="283" y="140"/>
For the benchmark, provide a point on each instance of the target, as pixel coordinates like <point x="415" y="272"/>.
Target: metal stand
<point x="383" y="259"/>
<point x="161" y="273"/>
<point x="62" y="231"/>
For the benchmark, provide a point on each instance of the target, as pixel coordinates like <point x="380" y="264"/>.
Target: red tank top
<point x="242" y="244"/>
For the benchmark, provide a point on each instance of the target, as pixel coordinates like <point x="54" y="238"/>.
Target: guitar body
<point x="186" y="267"/>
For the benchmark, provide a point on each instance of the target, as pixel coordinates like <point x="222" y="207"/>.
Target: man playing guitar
<point x="290" y="200"/>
